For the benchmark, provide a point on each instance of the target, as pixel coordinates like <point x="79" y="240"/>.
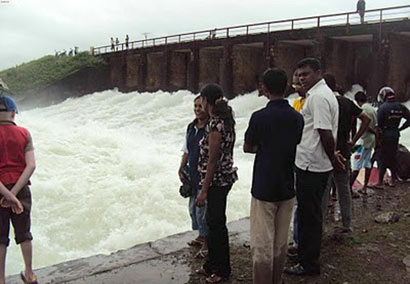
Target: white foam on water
<point x="106" y="176"/>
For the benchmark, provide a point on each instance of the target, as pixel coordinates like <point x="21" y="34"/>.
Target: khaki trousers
<point x="269" y="239"/>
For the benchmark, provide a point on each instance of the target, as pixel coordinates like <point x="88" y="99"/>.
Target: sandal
<point x="24" y="279"/>
<point x="215" y="278"/>
<point x="202" y="253"/>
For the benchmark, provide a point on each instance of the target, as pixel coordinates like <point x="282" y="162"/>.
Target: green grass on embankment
<point x="46" y="70"/>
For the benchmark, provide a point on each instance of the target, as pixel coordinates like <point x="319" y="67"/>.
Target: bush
<point x="46" y="70"/>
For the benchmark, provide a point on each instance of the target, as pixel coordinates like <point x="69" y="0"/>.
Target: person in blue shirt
<point x="273" y="134"/>
<point x="389" y="116"/>
<point x="194" y="133"/>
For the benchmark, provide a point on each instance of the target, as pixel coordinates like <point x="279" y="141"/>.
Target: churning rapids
<point x="106" y="175"/>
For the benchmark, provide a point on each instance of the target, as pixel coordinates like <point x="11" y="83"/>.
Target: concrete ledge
<point x="142" y="255"/>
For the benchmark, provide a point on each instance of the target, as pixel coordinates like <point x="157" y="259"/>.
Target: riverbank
<point x="373" y="253"/>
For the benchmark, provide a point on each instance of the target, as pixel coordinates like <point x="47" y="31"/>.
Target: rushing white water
<point x="106" y="175"/>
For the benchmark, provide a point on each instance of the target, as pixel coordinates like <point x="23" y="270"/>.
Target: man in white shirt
<point x="315" y="159"/>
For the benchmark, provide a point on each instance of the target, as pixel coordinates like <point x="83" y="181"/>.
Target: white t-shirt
<point x="321" y="111"/>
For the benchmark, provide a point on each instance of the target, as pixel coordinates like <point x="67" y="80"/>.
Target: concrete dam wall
<point x="371" y="54"/>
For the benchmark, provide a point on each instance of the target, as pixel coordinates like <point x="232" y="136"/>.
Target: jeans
<point x="342" y="182"/>
<point x="218" y="241"/>
<point x="198" y="215"/>
<point x="269" y="235"/>
<point x="310" y="187"/>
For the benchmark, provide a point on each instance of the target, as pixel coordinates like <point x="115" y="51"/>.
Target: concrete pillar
<point x="131" y="78"/>
<point x="193" y="70"/>
<point x="155" y="71"/>
<point x="269" y="54"/>
<point x="142" y="72"/>
<point x="378" y="74"/>
<point x="209" y="65"/>
<point x="399" y="65"/>
<point x="247" y="67"/>
<point x="226" y="70"/>
<point x="118" y="71"/>
<point x="178" y="66"/>
<point x="165" y="78"/>
<point x="287" y="55"/>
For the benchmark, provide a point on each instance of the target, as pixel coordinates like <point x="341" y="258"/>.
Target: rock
<point x="406" y="262"/>
<point x="403" y="163"/>
<point x="387" y="218"/>
<point x="331" y="266"/>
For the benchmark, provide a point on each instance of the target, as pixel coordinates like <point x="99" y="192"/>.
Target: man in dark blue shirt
<point x="389" y="116"/>
<point x="272" y="134"/>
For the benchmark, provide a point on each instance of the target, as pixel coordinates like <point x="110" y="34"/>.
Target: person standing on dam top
<point x="217" y="177"/>
<point x="127" y="38"/>
<point x="360" y="8"/>
<point x="17" y="164"/>
<point x="194" y="133"/>
<point x="112" y="44"/>
<point x="273" y="134"/>
<point x="117" y="43"/>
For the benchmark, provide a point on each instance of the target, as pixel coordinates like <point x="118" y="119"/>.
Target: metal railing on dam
<point x="346" y="19"/>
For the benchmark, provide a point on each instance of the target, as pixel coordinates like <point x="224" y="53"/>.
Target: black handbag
<point x="185" y="189"/>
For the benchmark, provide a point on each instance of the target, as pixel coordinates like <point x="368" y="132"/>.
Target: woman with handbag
<point x="188" y="174"/>
<point x="217" y="176"/>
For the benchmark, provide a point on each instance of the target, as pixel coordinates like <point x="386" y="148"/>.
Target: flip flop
<point x="23" y="278"/>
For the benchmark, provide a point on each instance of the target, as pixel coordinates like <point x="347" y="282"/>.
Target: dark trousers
<point x="310" y="187"/>
<point x="218" y="242"/>
<point x="389" y="150"/>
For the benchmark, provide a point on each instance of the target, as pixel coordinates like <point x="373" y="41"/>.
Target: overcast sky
<point x="30" y="29"/>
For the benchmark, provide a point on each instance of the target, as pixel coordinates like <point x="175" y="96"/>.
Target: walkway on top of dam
<point x="347" y="20"/>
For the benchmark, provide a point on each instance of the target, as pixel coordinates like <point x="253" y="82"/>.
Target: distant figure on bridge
<point x="360" y="8"/>
<point x="117" y="42"/>
<point x="112" y="44"/>
<point x="126" y="41"/>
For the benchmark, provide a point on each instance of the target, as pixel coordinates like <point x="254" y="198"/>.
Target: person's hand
<point x="201" y="199"/>
<point x="14" y="203"/>
<point x="181" y="175"/>
<point x="339" y="161"/>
